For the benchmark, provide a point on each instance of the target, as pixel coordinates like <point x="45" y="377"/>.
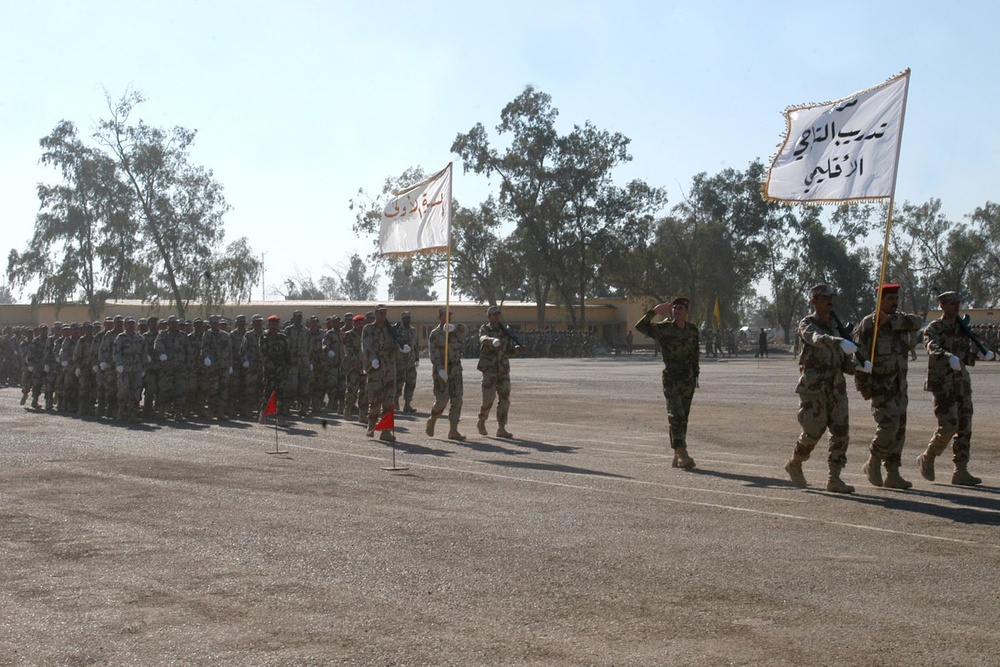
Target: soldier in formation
<point x="496" y="346"/>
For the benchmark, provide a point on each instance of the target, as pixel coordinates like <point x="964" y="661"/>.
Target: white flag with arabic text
<point x="418" y="218"/>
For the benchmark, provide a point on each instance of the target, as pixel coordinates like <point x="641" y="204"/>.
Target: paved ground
<point x="573" y="544"/>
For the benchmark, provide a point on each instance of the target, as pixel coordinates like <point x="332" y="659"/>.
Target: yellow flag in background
<point x="718" y="315"/>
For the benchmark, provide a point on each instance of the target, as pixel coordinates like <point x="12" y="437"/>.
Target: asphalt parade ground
<point x="574" y="543"/>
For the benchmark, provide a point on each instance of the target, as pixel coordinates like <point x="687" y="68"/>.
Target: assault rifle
<point x="503" y="328"/>
<point x="963" y="324"/>
<point x="845" y="333"/>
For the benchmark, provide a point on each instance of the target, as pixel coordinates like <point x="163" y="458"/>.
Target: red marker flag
<point x="386" y="423"/>
<point x="270" y="408"/>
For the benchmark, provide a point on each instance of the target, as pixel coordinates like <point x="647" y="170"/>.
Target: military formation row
<point x="129" y="370"/>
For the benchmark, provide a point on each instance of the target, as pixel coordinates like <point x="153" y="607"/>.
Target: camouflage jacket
<point x="173" y="344"/>
<point x="407" y="336"/>
<point x="298" y="344"/>
<point x="892" y="351"/>
<point x="822" y="362"/>
<point x="333" y="341"/>
<point x="215" y="346"/>
<point x="435" y="344"/>
<point x="250" y="350"/>
<point x="679" y="346"/>
<point x="944" y="339"/>
<point x="377" y="342"/>
<point x="495" y="359"/>
<point x="276" y="354"/>
<point x="353" y="358"/>
<point x="130" y="351"/>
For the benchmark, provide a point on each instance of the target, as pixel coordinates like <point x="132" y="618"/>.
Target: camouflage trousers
<point x="151" y="390"/>
<point x="819" y="412"/>
<point x="274" y="383"/>
<point x="496" y="386"/>
<point x="381" y="390"/>
<point x="953" y="410"/>
<point x="889" y="411"/>
<point x="172" y="391"/>
<point x="318" y="386"/>
<point x="129" y="392"/>
<point x="297" y="385"/>
<point x="354" y="392"/>
<point x="450" y="391"/>
<point x="335" y="387"/>
<point x="217" y="390"/>
<point x="679" y="394"/>
<point x="88" y="391"/>
<point x="406" y="382"/>
<point x="237" y="403"/>
<point x="69" y="394"/>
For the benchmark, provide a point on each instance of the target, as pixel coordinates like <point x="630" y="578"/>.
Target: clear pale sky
<point x="298" y="104"/>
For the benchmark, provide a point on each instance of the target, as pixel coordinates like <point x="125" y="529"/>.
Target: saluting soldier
<point x="949" y="354"/>
<point x="677" y="339"/>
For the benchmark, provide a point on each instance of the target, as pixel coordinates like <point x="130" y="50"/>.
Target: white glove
<point x="65" y="364"/>
<point x="46" y="368"/>
<point x="310" y="368"/>
<point x="246" y="364"/>
<point x="848" y="346"/>
<point x="416" y="362"/>
<point x="163" y="357"/>
<point x="331" y="354"/>
<point x="989" y="356"/>
<point x="496" y="342"/>
<point x="443" y="374"/>
<point x="375" y="364"/>
<point x="31" y="369"/>
<point x="865" y="368"/>
<point x="96" y="368"/>
<point x="450" y="328"/>
<point x="104" y="365"/>
<point x="77" y="372"/>
<point x="955" y="363"/>
<point x="120" y="368"/>
<point x="208" y="361"/>
<point x="406" y="348"/>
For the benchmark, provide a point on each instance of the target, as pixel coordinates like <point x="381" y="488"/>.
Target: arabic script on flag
<point x="418" y="217"/>
<point x="841" y="151"/>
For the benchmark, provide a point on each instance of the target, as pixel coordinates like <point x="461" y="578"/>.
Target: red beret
<point x="274" y="318"/>
<point x="889" y="288"/>
<point x="358" y="318"/>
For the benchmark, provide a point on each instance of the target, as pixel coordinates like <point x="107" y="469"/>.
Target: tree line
<point x="132" y="218"/>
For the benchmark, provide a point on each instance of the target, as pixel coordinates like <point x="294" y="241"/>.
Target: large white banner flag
<point x="845" y="150"/>
<point x="418" y="217"/>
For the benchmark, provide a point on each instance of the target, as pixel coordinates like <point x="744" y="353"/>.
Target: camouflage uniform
<point x="35" y="364"/>
<point x="196" y="378"/>
<point x="106" y="363"/>
<point x="952" y="391"/>
<point x="69" y="397"/>
<point x="253" y="363"/>
<point x="406" y="366"/>
<point x="84" y="355"/>
<point x="238" y="405"/>
<point x="317" y="362"/>
<point x="151" y="382"/>
<point x="822" y="390"/>
<point x="171" y="350"/>
<point x="215" y="355"/>
<point x="130" y="364"/>
<point x="887" y="386"/>
<point x="50" y="365"/>
<point x="333" y="355"/>
<point x="379" y="347"/>
<point x="450" y="389"/>
<point x="494" y="364"/>
<point x="276" y="358"/>
<point x="680" y="373"/>
<point x="297" y="389"/>
<point x="353" y="370"/>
